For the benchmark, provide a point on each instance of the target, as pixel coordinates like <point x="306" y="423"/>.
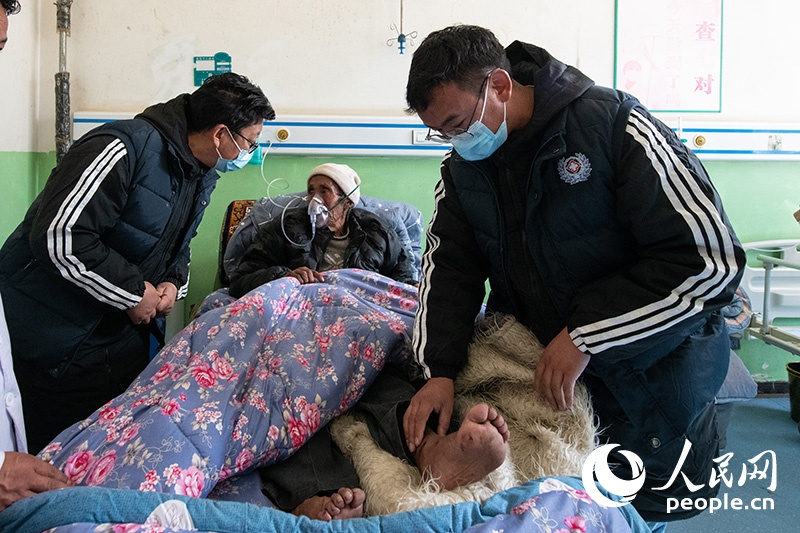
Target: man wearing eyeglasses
<point x="597" y="229"/>
<point x="104" y="249"/>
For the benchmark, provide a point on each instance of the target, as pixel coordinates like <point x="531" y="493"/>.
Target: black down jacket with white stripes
<point x="633" y="250"/>
<point x="119" y="210"/>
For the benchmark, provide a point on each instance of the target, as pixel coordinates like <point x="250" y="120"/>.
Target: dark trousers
<point x="697" y="467"/>
<point x="102" y="368"/>
<point x="660" y="462"/>
<point x="320" y="468"/>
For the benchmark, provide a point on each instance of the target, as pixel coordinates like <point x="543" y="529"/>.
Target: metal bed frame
<point x="761" y="325"/>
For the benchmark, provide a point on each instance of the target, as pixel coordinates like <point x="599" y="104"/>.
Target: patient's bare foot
<point x="344" y="503"/>
<point x="468" y="455"/>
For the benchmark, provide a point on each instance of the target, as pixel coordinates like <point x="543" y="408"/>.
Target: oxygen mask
<point x="318" y="212"/>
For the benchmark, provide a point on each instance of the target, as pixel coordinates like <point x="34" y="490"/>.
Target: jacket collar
<point x="555" y="84"/>
<point x="169" y="118"/>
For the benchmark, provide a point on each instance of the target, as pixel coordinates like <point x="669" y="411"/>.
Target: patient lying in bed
<point x="248" y="384"/>
<point x="332" y="233"/>
<point x="243" y="385"/>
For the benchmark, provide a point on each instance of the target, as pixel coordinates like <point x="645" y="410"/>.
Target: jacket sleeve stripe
<point x="711" y="236"/>
<point x="59" y="233"/>
<point x="183" y="290"/>
<point x="433" y="242"/>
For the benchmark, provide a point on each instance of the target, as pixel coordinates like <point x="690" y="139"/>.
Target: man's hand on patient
<point x="559" y="367"/>
<point x="435" y="396"/>
<point x="24" y="475"/>
<point x="306" y="275"/>
<point x="145" y="310"/>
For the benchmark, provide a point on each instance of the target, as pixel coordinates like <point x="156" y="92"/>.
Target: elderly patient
<point x="330" y="234"/>
<point x="318" y="481"/>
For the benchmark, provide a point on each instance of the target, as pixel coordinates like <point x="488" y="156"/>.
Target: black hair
<point x="229" y="99"/>
<point x="460" y="54"/>
<point x="11" y="7"/>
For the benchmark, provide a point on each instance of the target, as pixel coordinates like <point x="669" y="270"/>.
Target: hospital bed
<point x="178" y="451"/>
<point x="771" y="291"/>
<point x="775" y="292"/>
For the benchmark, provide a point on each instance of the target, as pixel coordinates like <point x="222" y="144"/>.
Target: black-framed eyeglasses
<point x="442" y="137"/>
<point x="253" y="144"/>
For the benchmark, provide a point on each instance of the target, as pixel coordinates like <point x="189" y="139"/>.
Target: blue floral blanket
<point x="243" y="385"/>
<point x="550" y="505"/>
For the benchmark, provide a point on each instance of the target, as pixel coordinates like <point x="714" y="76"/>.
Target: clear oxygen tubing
<point x="292" y="201"/>
<point x="285" y="185"/>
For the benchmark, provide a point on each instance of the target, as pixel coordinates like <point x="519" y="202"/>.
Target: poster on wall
<point x="207" y="66"/>
<point x="668" y="53"/>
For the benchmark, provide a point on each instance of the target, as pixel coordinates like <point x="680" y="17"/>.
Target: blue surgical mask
<point x="479" y="142"/>
<point x="229" y="165"/>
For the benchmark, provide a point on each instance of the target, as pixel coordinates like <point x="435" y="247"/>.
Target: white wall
<point x="331" y="57"/>
<point x="309" y="56"/>
<point x="19" y="82"/>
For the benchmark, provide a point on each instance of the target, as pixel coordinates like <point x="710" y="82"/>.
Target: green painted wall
<point x="759" y="197"/>
<point x="21" y="174"/>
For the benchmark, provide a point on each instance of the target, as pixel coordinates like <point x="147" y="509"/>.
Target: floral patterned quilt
<point x="244" y="385"/>
<point x="549" y="505"/>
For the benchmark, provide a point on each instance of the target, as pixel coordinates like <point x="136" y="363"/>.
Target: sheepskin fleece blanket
<point x="500" y="371"/>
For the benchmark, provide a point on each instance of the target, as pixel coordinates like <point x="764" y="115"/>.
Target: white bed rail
<point x="784" y="295"/>
<point x="774" y="293"/>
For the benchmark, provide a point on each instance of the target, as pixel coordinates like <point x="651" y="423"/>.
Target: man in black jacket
<point x="598" y="229"/>
<point x="104" y="249"/>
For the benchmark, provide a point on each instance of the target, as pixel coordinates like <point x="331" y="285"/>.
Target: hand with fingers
<point x="306" y="275"/>
<point x="435" y="396"/>
<point x="167" y="293"/>
<point x="146" y="309"/>
<point x="23" y="475"/>
<point x="559" y="367"/>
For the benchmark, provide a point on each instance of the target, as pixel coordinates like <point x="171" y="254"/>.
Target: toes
<point x="346" y="495"/>
<point x="331" y="510"/>
<point x="344" y="503"/>
<point x="478" y="413"/>
<point x="500" y="423"/>
<point x="337" y="500"/>
<point x="358" y="498"/>
<point x="497" y="420"/>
